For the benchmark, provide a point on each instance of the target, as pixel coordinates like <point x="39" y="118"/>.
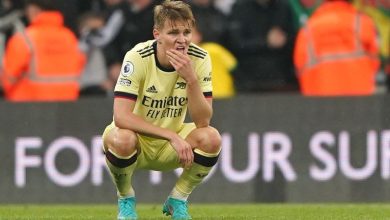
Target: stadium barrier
<point x="276" y="148"/>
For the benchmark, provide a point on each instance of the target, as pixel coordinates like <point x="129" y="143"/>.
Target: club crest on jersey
<point x="127" y="69"/>
<point x="180" y="85"/>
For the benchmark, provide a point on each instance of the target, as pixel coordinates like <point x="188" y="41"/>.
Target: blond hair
<point x="173" y="11"/>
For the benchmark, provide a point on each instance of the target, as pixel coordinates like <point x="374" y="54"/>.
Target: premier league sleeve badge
<point x="127" y="69"/>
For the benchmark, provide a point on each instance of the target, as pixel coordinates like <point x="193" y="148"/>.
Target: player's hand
<point x="183" y="150"/>
<point x="182" y="64"/>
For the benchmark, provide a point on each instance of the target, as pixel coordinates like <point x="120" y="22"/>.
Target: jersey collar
<point x="158" y="63"/>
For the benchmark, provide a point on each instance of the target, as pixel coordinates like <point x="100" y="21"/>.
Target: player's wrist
<point x="192" y="81"/>
<point x="172" y="136"/>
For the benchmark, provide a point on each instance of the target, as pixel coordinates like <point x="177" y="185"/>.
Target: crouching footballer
<point x="159" y="81"/>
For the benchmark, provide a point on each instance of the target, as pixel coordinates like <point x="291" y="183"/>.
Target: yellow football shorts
<point x="157" y="154"/>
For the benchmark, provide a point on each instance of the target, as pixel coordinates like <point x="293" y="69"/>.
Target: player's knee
<point x="125" y="142"/>
<point x="215" y="140"/>
<point x="210" y="141"/>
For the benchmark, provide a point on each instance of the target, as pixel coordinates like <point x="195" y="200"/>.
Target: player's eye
<point x="187" y="32"/>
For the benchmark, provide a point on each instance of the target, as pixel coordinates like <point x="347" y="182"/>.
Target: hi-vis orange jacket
<point x="336" y="53"/>
<point x="43" y="63"/>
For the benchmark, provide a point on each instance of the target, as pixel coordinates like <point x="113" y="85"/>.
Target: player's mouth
<point x="182" y="49"/>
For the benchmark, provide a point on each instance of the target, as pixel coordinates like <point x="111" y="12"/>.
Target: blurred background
<point x="300" y="98"/>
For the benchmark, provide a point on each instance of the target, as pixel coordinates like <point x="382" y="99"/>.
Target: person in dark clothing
<point x="210" y="21"/>
<point x="137" y="27"/>
<point x="261" y="36"/>
<point x="138" y="15"/>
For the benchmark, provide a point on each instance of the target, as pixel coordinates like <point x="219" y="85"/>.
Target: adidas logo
<point x="152" y="89"/>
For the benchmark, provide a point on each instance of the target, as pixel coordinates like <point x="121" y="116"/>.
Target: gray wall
<point x="275" y="149"/>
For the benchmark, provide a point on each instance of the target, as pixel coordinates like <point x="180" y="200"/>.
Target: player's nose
<point x="181" y="38"/>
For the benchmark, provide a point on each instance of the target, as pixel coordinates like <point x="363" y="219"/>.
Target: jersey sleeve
<point x="204" y="76"/>
<point x="130" y="77"/>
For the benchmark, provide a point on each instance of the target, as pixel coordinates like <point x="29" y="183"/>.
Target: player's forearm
<point x="138" y="125"/>
<point x="199" y="108"/>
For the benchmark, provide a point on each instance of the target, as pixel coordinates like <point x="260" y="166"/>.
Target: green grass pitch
<point x="205" y="211"/>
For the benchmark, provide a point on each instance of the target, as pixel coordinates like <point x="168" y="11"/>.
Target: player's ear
<point x="156" y="34"/>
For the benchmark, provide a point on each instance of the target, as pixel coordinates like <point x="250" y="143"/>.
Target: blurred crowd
<point x="312" y="47"/>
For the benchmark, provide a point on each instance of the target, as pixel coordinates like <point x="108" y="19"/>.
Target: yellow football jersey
<point x="160" y="93"/>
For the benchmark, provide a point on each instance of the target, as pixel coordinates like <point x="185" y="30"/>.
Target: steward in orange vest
<point x="42" y="63"/>
<point x="336" y="52"/>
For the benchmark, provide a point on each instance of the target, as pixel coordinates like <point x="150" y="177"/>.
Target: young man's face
<point x="174" y="35"/>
